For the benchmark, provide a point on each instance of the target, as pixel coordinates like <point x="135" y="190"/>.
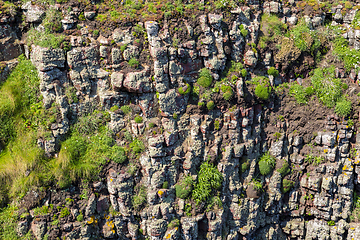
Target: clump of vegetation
<point x="272" y="28"/>
<point x="244" y="32"/>
<point x="245" y="164"/>
<point x="64" y="212"/>
<point x="80" y="217"/>
<point x="257" y="185"/>
<point x="266" y="163"/>
<point x="52" y="21"/>
<point x="165" y="185"/>
<point x="262" y="91"/>
<point x="285" y="169"/>
<point x="187" y="91"/>
<point x="205" y="78"/>
<point x="227" y="92"/>
<point x="46" y="40"/>
<point x="304" y="38"/>
<point x="217" y="124"/>
<point x="210" y="105"/>
<point x="133" y="62"/>
<point x="138" y="119"/>
<point x="273" y="71"/>
<point x="350" y="57"/>
<point x="343" y="107"/>
<point x="184" y="187"/>
<point x="301" y="94"/>
<point x="70" y="93"/>
<point x="137" y="146"/>
<point x="114" y="108"/>
<point x="139" y="198"/>
<point x="287" y="185"/>
<point x="314" y="160"/>
<point x="209" y="180"/>
<point x="126" y="109"/>
<point x="174" y="223"/>
<point x="327" y="88"/>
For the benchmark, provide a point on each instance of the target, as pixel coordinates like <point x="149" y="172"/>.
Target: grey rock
<point x="32" y="12"/>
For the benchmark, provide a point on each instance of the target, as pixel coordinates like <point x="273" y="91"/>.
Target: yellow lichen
<point x="160" y="192"/>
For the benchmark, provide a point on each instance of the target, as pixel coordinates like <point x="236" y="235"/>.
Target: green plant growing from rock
<point x="205" y="78"/>
<point x="210" y="105"/>
<point x="285" y="169"/>
<point x="257" y="185"/>
<point x="227" y="92"/>
<point x="139" y="198"/>
<point x="343" y="107"/>
<point x="184" y="187"/>
<point x="126" y="109"/>
<point x="266" y="163"/>
<point x="287" y="185"/>
<point x="273" y="71"/>
<point x="262" y="91"/>
<point x="186" y="91"/>
<point x="209" y="180"/>
<point x="133" y="62"/>
<point x="138" y="119"/>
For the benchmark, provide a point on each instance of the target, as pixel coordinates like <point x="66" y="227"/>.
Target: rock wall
<point x="319" y="204"/>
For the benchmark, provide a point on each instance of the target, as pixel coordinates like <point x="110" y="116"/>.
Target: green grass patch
<point x="209" y="180"/>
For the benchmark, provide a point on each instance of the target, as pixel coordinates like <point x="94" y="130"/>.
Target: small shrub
<point x="210" y="105"/>
<point x="151" y="125"/>
<point x="300" y="93"/>
<point x="138" y="119"/>
<point x="245" y="165"/>
<point x="284" y="169"/>
<point x="257" y="185"/>
<point x="201" y="104"/>
<point x="273" y="71"/>
<point x="262" y="92"/>
<point x="227" y="92"/>
<point x="165" y="185"/>
<point x="139" y="199"/>
<point x="96" y="33"/>
<point x="187" y="91"/>
<point x="209" y="179"/>
<point x="205" y="78"/>
<point x="117" y="154"/>
<point x="277" y="135"/>
<point x="287" y="185"/>
<point x="126" y="109"/>
<point x="80" y="217"/>
<point x="243" y="72"/>
<point x="266" y="164"/>
<point x="174" y="223"/>
<point x="133" y="63"/>
<point x="64" y="212"/>
<point x="128" y="136"/>
<point x="184" y="188"/>
<point x="343" y="107"/>
<point x="217" y="125"/>
<point x="175" y="116"/>
<point x="244" y="32"/>
<point x="137" y="146"/>
<point x="114" y="108"/>
<point x="350" y="123"/>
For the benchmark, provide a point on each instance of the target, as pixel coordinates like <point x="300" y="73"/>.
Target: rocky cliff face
<point x="309" y="194"/>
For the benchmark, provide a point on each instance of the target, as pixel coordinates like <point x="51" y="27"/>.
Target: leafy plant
<point x="244" y="32"/>
<point x="262" y="91"/>
<point x="257" y="185"/>
<point x="205" y="78"/>
<point x="139" y="199"/>
<point x="174" y="223"/>
<point x="184" y="188"/>
<point x="126" y="109"/>
<point x="187" y="91"/>
<point x="266" y="163"/>
<point x="343" y="107"/>
<point x="210" y="105"/>
<point x="133" y="62"/>
<point x="227" y="92"/>
<point x="287" y="185"/>
<point x="209" y="179"/>
<point x="285" y="169"/>
<point x="300" y="93"/>
<point x="273" y="71"/>
<point x="138" y="119"/>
